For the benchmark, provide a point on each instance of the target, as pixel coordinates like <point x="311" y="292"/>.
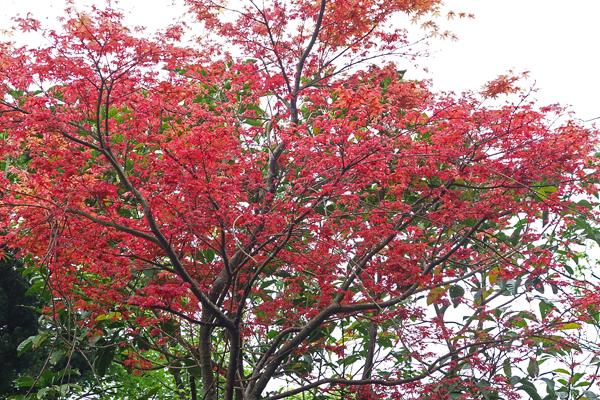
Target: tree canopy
<point x="275" y="212"/>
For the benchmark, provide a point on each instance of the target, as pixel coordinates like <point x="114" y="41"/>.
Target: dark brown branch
<point x="181" y="315"/>
<point x="308" y="49"/>
<point x="119" y="227"/>
<point x="437" y="365"/>
<point x="165" y="244"/>
<point x="456" y="247"/>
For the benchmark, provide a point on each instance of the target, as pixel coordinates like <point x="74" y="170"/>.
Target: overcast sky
<point x="556" y="41"/>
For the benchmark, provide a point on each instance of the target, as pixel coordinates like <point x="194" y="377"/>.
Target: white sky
<point x="556" y="41"/>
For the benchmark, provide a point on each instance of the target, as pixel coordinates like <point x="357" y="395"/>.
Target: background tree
<point x="57" y="357"/>
<point x="17" y="323"/>
<point x="296" y="218"/>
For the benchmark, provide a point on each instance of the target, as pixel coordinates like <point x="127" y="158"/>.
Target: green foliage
<point x="18" y="321"/>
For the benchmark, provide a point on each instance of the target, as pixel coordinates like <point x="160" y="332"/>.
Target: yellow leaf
<point x="493" y="276"/>
<point x="572" y="325"/>
<point x="484" y="296"/>
<point x="435" y="294"/>
<point x="111" y="316"/>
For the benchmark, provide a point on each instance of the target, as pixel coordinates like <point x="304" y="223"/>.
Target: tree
<point x="53" y="358"/>
<point x="298" y="217"/>
<point x="17" y="322"/>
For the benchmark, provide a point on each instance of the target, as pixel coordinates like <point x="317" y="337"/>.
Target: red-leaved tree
<point x="295" y="219"/>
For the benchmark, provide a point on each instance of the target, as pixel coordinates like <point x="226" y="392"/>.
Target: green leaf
<point x="104" y="357"/>
<point x="545" y="191"/>
<point x="37" y="287"/>
<point x="25" y="381"/>
<point x="519" y="323"/>
<point x="549" y="386"/>
<point x="590" y="395"/>
<point x="562" y="371"/>
<point x="576" y="377"/>
<point x="498" y="311"/>
<point x="530" y="389"/>
<point x="533" y="369"/>
<point x="253" y="122"/>
<point x="515" y="238"/>
<point x="506" y="366"/>
<point x="545" y="308"/>
<point x="149" y="393"/>
<point x="385" y="341"/>
<point x="544" y="217"/>
<point x="456" y="292"/>
<point x="25" y="344"/>
<point x="56" y="355"/>
<point x="349" y="360"/>
<point x="513" y="285"/>
<point x="568" y="269"/>
<point x="527" y="315"/>
<point x="64" y="389"/>
<point x="42" y="392"/>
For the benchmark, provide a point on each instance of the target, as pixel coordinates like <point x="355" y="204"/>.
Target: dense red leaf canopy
<point x="290" y="207"/>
